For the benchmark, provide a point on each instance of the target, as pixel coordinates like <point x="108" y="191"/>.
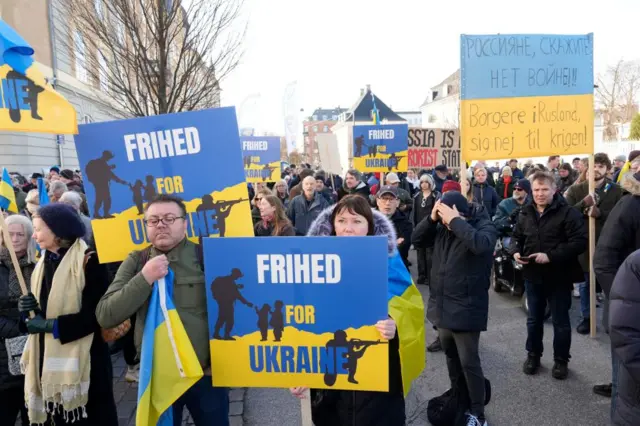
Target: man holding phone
<point x="548" y="238"/>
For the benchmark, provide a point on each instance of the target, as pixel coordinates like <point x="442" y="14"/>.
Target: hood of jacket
<point x="322" y="227"/>
<point x="630" y="183"/>
<point x="348" y="190"/>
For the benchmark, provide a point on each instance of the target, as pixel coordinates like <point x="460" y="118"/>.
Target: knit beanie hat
<point x="63" y="220"/>
<point x="454" y="198"/>
<point x="451" y="185"/>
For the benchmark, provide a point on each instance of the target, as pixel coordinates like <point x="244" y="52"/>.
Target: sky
<point x="332" y="48"/>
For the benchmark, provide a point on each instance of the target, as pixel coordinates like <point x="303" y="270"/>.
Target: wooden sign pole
<point x="14" y="259"/>
<point x="592" y="249"/>
<point x="305" y="409"/>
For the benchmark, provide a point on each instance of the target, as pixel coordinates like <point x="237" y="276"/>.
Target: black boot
<point x="531" y="365"/>
<point x="584" y="327"/>
<point x="435" y="346"/>
<point x="560" y="370"/>
<point x="603" y="390"/>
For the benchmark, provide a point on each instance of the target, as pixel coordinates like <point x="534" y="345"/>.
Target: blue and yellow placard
<point x="193" y="155"/>
<point x="381" y="148"/>
<point x="526" y="95"/>
<point x="27" y="102"/>
<point x="294" y="311"/>
<point x="261" y="158"/>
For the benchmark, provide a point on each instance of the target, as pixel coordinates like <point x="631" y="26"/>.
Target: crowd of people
<point x="540" y="211"/>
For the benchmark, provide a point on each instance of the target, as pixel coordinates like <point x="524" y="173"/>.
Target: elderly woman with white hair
<point x="74" y="199"/>
<point x="506" y="183"/>
<point x="56" y="189"/>
<point x="12" y="336"/>
<point x="32" y="203"/>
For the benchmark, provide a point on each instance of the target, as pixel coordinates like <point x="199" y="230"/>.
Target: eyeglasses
<point x="169" y="220"/>
<point x="387" y="199"/>
<point x="518" y="189"/>
<point x="257" y="199"/>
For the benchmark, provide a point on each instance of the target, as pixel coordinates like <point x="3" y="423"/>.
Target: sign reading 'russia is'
<point x="526" y="94"/>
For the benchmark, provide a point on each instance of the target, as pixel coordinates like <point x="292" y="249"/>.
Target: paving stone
<point x="236" y="394"/>
<point x="236" y="408"/>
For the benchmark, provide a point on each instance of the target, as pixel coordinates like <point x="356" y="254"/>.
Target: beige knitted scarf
<point x="64" y="382"/>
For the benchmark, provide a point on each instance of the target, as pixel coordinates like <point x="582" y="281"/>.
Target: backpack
<point x="449" y="408"/>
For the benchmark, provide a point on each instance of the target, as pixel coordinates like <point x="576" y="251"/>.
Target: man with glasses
<point x="388" y="201"/>
<point x="509" y="208"/>
<point x="165" y="219"/>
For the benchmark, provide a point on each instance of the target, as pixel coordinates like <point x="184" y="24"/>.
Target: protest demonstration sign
<point x="329" y="153"/>
<point x="431" y="147"/>
<point x="287" y="312"/>
<point x="261" y="158"/>
<point x="193" y="155"/>
<point x="380" y="148"/>
<point x="526" y="95"/>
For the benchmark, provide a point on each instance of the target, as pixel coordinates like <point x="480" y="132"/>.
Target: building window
<point x="315" y="128"/>
<point x="102" y="72"/>
<point x="306" y="129"/>
<point x="81" y="59"/>
<point x="324" y="117"/>
<point x="315" y="118"/>
<point x="334" y="117"/>
<point x="325" y="128"/>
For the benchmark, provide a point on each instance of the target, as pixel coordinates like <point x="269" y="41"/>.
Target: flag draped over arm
<point x="7" y="195"/>
<point x="407" y="309"/>
<point x="168" y="363"/>
<point x="27" y="102"/>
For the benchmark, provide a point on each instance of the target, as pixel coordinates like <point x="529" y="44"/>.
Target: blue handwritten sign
<point x="515" y="65"/>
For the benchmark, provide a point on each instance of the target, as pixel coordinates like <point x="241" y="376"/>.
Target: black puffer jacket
<point x="362" y="408"/>
<point x="624" y="324"/>
<point x="361" y="189"/>
<point x="560" y="233"/>
<point x="9" y="318"/>
<point x="461" y="269"/>
<point x="620" y="235"/>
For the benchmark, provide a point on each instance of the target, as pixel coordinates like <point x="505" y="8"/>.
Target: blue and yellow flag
<point x="7" y="195"/>
<point x="407" y="309"/>
<point x="168" y="364"/>
<point x="375" y="114"/>
<point x="43" y="195"/>
<point x="27" y="102"/>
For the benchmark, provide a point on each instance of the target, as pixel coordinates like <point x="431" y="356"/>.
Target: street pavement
<point x="517" y="399"/>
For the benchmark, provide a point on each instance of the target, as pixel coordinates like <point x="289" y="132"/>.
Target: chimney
<point x="368" y="87"/>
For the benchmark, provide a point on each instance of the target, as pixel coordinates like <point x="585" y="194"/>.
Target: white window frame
<point x="103" y="76"/>
<point x="80" y="53"/>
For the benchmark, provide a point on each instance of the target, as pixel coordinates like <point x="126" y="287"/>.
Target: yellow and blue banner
<point x="27" y="102"/>
<point x="294" y="311"/>
<point x="168" y="363"/>
<point x="7" y="195"/>
<point x="261" y="158"/>
<point x="43" y="195"/>
<point x="526" y="95"/>
<point x="381" y="147"/>
<point x="193" y="155"/>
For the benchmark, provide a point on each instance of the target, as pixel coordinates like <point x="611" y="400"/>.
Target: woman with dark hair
<point x="354" y="217"/>
<point x="275" y="222"/>
<point x="66" y="285"/>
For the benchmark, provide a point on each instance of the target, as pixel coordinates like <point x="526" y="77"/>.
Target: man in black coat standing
<point x="548" y="238"/>
<point x="463" y="239"/>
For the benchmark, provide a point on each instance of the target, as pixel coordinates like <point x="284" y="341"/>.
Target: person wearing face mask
<point x="12" y="384"/>
<point x="598" y="205"/>
<point x="388" y="201"/>
<point x="305" y="208"/>
<point x="353" y="217"/>
<point x="463" y="239"/>
<point x="274" y="220"/>
<point x="353" y="184"/>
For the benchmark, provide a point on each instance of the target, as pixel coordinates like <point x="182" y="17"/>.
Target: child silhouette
<point x="263" y="320"/>
<point x="149" y="190"/>
<point x="277" y="320"/>
<point x="137" y="196"/>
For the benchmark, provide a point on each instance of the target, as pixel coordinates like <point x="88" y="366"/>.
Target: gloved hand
<point x="590" y="200"/>
<point x="28" y="303"/>
<point x="38" y="324"/>
<point x="593" y="211"/>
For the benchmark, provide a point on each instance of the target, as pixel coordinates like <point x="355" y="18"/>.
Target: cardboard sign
<point x="261" y="158"/>
<point x="329" y="153"/>
<point x="431" y="147"/>
<point x="194" y="155"/>
<point x="526" y="95"/>
<point x="287" y="312"/>
<point x="380" y="148"/>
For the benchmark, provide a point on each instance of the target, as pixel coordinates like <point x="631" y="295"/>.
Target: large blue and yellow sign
<point x="27" y="102"/>
<point x="381" y="148"/>
<point x="294" y="311"/>
<point x="261" y="158"/>
<point x="526" y="95"/>
<point x="194" y="155"/>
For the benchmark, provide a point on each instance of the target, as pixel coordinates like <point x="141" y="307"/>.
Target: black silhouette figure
<point x="137" y="195"/>
<point x="13" y="84"/>
<point x="393" y="161"/>
<point x="100" y="173"/>
<point x="223" y="209"/>
<point x="277" y="320"/>
<point x="263" y="321"/>
<point x="150" y="190"/>
<point x="225" y="292"/>
<point x="355" y="350"/>
<point x="373" y="150"/>
<point x="359" y="143"/>
<point x="207" y="212"/>
<point x="247" y="161"/>
<point x="266" y="172"/>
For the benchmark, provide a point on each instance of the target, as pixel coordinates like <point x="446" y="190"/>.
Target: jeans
<point x="615" y="367"/>
<point x="461" y="350"/>
<point x="208" y="405"/>
<point x="585" y="297"/>
<point x="558" y="295"/>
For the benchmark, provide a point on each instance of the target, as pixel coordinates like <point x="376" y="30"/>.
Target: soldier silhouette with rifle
<point x="355" y="350"/>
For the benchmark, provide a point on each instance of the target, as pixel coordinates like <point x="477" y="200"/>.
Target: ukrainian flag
<point x="168" y="365"/>
<point x="27" y="102"/>
<point x="407" y="309"/>
<point x="43" y="195"/>
<point x="7" y="196"/>
<point x="375" y="114"/>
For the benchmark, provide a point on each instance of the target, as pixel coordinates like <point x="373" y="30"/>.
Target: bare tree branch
<point x="616" y="93"/>
<point x="156" y="56"/>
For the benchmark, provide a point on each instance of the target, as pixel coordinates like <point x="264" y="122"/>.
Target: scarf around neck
<point x="507" y="181"/>
<point x="14" y="285"/>
<point x="64" y="382"/>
